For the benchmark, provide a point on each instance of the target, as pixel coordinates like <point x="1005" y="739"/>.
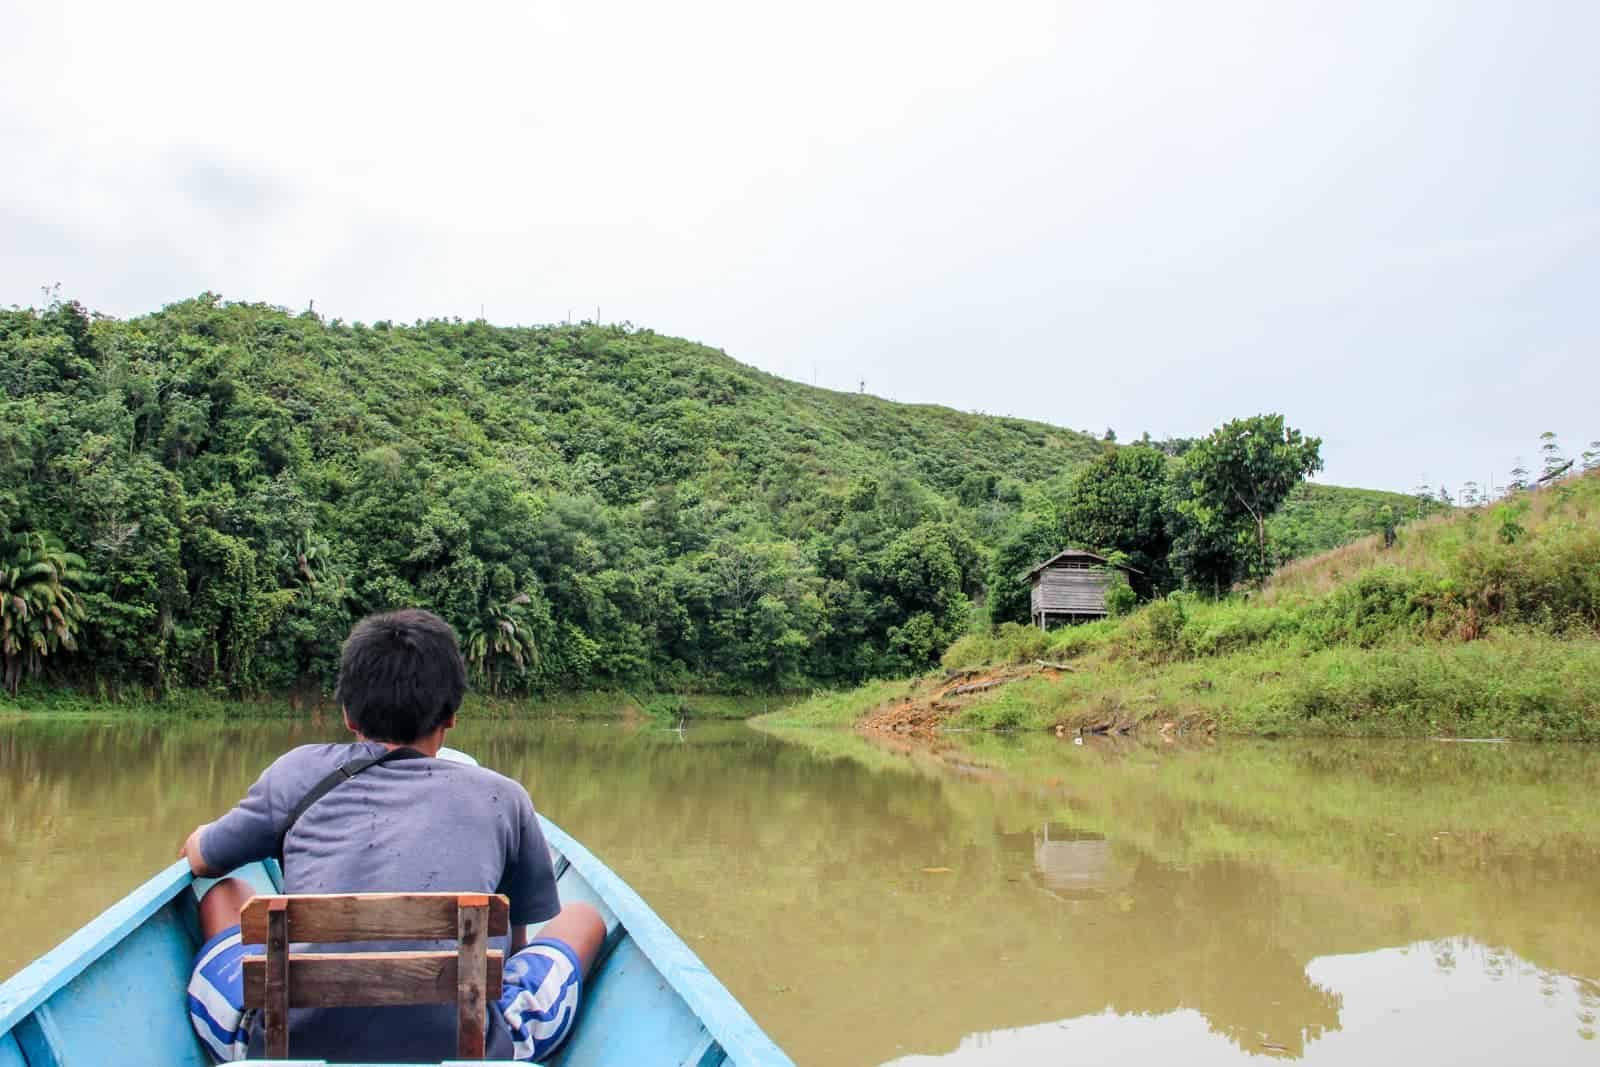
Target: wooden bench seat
<point x="282" y="979"/>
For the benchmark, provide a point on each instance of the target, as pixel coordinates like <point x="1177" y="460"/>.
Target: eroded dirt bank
<point x="931" y="703"/>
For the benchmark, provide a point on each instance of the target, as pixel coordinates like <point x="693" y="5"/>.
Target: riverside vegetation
<point x="1485" y="622"/>
<point x="196" y="504"/>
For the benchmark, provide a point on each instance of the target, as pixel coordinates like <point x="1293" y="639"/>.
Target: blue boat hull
<point x="113" y="993"/>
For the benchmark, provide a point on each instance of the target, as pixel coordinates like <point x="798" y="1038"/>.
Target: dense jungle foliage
<point x="208" y="496"/>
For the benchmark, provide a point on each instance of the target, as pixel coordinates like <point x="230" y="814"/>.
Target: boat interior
<point x="114" y="992"/>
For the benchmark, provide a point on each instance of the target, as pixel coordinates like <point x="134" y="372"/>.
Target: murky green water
<point x="996" y="900"/>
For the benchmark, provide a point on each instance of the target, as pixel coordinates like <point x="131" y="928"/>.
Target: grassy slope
<point x="1486" y="622"/>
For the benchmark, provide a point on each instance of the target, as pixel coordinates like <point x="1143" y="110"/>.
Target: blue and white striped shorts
<point x="538" y="997"/>
<point x="216" y="996"/>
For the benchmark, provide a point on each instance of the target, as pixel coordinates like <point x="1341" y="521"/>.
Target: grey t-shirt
<point x="407" y="826"/>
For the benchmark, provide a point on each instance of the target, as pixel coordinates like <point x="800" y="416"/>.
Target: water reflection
<point x="1077" y="865"/>
<point x="992" y="897"/>
<point x="1399" y="1006"/>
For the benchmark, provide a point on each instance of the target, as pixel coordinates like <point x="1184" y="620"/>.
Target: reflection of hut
<point x="1077" y="865"/>
<point x="1071" y="587"/>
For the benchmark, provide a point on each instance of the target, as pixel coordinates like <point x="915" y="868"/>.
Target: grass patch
<point x="839" y="707"/>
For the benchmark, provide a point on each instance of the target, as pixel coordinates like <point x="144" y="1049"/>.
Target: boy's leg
<point x="216" y="986"/>
<point x="580" y="928"/>
<point x="544" y="982"/>
<point x="220" y="907"/>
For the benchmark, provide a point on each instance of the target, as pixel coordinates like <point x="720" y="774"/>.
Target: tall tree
<point x="1550" y="452"/>
<point x="1424" y="497"/>
<point x="1244" y="470"/>
<point x="1117" y="503"/>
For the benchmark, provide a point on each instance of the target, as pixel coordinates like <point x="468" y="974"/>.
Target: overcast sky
<point x="1381" y="219"/>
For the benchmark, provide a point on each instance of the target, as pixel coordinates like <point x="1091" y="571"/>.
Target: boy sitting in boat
<point x="387" y="814"/>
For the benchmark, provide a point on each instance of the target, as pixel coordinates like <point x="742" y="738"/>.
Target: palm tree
<point x="310" y="564"/>
<point x="40" y="609"/>
<point x="502" y="635"/>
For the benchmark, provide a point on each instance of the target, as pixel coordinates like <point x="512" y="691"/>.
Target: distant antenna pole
<point x="569" y="316"/>
<point x="597" y="314"/>
<point x="862" y="388"/>
<point x="480" y="311"/>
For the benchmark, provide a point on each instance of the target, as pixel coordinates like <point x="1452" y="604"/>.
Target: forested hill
<point x="588" y="505"/>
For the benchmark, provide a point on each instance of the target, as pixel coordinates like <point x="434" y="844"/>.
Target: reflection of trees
<point x="828" y="857"/>
<point x="1205" y="938"/>
<point x="1238" y="973"/>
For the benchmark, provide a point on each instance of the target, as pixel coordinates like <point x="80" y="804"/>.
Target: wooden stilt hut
<point x="1071" y="587"/>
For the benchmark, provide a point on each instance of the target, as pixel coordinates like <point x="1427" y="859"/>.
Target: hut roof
<point x="1079" y="555"/>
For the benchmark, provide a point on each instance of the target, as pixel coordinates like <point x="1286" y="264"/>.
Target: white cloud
<point x="1376" y="218"/>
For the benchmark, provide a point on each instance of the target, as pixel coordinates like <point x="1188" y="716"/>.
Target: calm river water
<point x="992" y="900"/>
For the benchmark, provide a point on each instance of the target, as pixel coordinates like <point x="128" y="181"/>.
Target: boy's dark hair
<point x="401" y="675"/>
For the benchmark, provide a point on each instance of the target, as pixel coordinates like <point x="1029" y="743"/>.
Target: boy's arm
<point x="197" y="861"/>
<point x="529" y="880"/>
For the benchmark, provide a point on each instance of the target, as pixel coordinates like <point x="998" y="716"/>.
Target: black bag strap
<point x="338" y="776"/>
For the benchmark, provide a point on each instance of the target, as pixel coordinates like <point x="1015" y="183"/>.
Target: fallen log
<point x="1056" y="666"/>
<point x="975" y="687"/>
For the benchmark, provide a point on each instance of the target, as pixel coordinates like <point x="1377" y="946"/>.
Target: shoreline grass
<point x="591" y="705"/>
<point x="1523" y="686"/>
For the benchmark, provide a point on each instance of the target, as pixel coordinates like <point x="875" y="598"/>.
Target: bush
<point x="1157" y="633"/>
<point x="1022" y="643"/>
<point x="1552" y="582"/>
<point x="1121" y="599"/>
<point x="1233" y="628"/>
<point x="1377" y="604"/>
<point x="969" y="650"/>
<point x="1071" y="641"/>
<point x="1010" y="642"/>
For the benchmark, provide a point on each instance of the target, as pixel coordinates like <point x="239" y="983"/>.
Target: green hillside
<point x="1485" y="622"/>
<point x="222" y="488"/>
<point x="1317" y="518"/>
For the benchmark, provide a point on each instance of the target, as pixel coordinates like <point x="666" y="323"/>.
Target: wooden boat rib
<point x="113" y="992"/>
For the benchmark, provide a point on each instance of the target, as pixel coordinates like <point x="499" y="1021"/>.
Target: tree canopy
<point x="226" y="487"/>
<point x="588" y="505"/>
<point x="1239" y="475"/>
